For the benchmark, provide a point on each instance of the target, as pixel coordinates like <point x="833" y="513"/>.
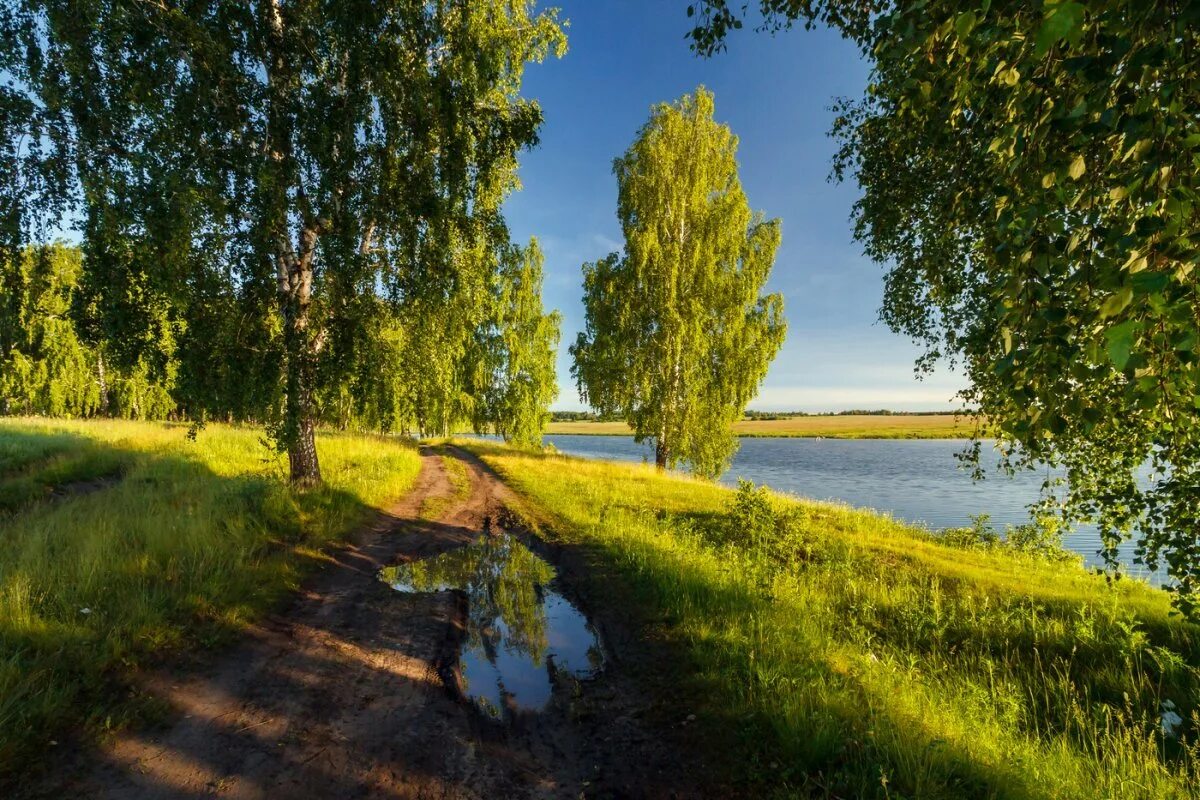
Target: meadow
<point x="824" y="651"/>
<point x="840" y="426"/>
<point x="125" y="543"/>
<point x="832" y="652"/>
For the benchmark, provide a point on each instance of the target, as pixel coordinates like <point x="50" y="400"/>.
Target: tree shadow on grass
<point x="337" y="695"/>
<point x="724" y="708"/>
<point x="97" y="585"/>
<point x="45" y="466"/>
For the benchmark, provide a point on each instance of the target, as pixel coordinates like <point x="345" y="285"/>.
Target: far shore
<point x="838" y="426"/>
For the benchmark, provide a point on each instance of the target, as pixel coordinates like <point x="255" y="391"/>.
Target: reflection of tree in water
<point x="503" y="580"/>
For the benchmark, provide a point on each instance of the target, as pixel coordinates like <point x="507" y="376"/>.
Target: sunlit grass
<point x="433" y="506"/>
<point x="186" y="543"/>
<point x="875" y="661"/>
<point x="841" y="426"/>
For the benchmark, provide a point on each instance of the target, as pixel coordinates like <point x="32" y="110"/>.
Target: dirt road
<point x="349" y="693"/>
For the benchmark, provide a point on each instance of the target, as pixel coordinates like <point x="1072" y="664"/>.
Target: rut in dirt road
<point x="354" y="691"/>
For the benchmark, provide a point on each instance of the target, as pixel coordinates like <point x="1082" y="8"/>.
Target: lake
<point x="917" y="480"/>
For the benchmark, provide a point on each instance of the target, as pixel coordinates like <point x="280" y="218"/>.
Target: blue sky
<point x="775" y="93"/>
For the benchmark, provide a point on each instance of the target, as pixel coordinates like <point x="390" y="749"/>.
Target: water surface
<point x="522" y="635"/>
<point x="916" y="480"/>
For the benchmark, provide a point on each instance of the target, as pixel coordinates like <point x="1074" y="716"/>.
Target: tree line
<point x="850" y="412"/>
<point x="47" y="364"/>
<point x="413" y="377"/>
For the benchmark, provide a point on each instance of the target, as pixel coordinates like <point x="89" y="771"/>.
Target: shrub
<point x="778" y="535"/>
<point x="1041" y="538"/>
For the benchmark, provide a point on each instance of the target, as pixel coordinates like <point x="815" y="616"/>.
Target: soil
<point x="352" y="691"/>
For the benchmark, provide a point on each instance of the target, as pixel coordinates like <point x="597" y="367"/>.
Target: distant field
<point x="933" y="426"/>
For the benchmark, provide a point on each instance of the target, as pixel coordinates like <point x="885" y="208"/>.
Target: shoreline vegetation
<point x="823" y="650"/>
<point x="833" y="652"/>
<point x="831" y="426"/>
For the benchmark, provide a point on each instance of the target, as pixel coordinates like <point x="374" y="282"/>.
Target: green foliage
<point x="519" y="345"/>
<point x="46" y="367"/>
<point x="134" y="394"/>
<point x="781" y="534"/>
<point x="258" y="183"/>
<point x="677" y="336"/>
<point x="1029" y="173"/>
<point x="481" y="355"/>
<point x="751" y="513"/>
<point x="780" y="537"/>
<point x="979" y="534"/>
<point x="406" y="371"/>
<point x="1039" y="538"/>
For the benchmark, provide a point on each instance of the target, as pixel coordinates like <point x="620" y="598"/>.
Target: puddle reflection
<point x="521" y="633"/>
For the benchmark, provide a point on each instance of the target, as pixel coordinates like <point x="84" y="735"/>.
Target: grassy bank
<point x="848" y="426"/>
<point x="833" y="652"/>
<point x="122" y="542"/>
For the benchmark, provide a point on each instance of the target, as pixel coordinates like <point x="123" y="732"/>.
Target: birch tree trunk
<point x="294" y="272"/>
<point x="300" y="352"/>
<point x="103" y="379"/>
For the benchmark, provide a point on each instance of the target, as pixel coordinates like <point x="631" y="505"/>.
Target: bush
<point x="778" y="535"/>
<point x="1040" y="538"/>
<point x="979" y="534"/>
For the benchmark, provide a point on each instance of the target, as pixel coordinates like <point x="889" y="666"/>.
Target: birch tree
<point x="260" y="169"/>
<point x="678" y="336"/>
<point x="517" y="350"/>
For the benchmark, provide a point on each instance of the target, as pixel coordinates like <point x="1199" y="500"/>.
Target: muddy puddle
<point x="523" y="636"/>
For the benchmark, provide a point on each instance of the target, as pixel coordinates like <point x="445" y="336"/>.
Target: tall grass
<point x="182" y="544"/>
<point x="834" y="652"/>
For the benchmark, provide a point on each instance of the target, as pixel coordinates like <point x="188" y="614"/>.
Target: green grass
<point x="37" y="469"/>
<point x="833" y="652"/>
<point x="179" y="547"/>
<point x="840" y="426"/>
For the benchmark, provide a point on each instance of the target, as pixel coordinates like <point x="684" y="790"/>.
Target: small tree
<point x="519" y="346"/>
<point x="678" y="337"/>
